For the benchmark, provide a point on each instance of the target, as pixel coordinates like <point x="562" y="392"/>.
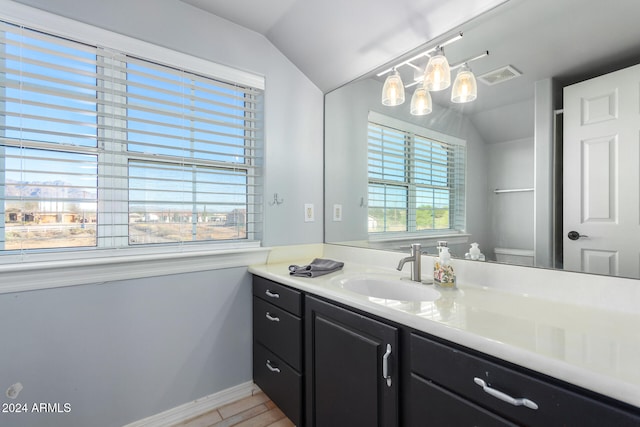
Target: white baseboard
<point x="197" y="407"/>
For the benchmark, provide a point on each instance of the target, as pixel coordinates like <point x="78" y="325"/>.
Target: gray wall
<point x="511" y="166"/>
<point x="126" y="350"/>
<point x="506" y="123"/>
<point x="122" y="351"/>
<point x="545" y="99"/>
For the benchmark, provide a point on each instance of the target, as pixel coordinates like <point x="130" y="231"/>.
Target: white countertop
<point x="592" y="347"/>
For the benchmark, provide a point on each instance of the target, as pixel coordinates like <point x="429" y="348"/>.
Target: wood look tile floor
<point x="253" y="411"/>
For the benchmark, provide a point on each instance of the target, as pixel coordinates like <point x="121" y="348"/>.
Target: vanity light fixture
<point x="421" y="103"/>
<point x="393" y="90"/>
<point x="465" y="88"/>
<point x="437" y="75"/>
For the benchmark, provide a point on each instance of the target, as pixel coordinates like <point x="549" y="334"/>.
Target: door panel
<point x="601" y="160"/>
<point x="345" y="353"/>
<point x="346" y="376"/>
<point x="599" y="192"/>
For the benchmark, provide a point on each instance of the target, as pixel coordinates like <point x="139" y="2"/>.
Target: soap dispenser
<point x="474" y="253"/>
<point x="443" y="275"/>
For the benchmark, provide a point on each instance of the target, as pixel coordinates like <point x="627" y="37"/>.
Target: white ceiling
<point x="257" y="15"/>
<point x="334" y="41"/>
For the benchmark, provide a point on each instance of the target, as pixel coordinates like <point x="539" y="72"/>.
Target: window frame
<point x="410" y="129"/>
<point x="63" y="267"/>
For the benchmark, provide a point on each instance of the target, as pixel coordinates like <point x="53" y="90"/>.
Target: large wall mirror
<point x="519" y="202"/>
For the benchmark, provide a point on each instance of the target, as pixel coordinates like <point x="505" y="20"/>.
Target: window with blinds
<point x="416" y="180"/>
<point x="103" y="149"/>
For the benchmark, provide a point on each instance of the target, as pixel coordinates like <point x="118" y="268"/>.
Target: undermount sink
<point x="387" y="288"/>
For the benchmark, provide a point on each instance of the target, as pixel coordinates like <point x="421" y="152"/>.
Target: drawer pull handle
<point x="271" y="294"/>
<point x="386" y="374"/>
<point x="272" y="368"/>
<point x="505" y="397"/>
<point x="272" y="318"/>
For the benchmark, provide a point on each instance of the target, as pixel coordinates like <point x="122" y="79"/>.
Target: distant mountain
<point x="47" y="190"/>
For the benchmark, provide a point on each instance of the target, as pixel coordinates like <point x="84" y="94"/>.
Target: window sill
<point x="87" y="268"/>
<point x="402" y="241"/>
<point x="430" y="238"/>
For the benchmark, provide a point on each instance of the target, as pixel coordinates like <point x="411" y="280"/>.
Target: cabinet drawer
<point x="282" y="384"/>
<point x="279" y="331"/>
<point x="432" y="405"/>
<point x="277" y="294"/>
<point x="457" y="371"/>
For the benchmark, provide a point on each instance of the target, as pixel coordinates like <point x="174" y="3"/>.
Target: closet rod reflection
<point x="514" y="190"/>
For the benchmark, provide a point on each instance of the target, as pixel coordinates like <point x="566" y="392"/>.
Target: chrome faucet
<point x="415" y="258"/>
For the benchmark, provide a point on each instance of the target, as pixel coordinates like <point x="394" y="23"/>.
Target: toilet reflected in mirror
<point x="514" y="256"/>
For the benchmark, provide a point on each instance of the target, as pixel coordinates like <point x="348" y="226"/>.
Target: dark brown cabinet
<point x="432" y="405"/>
<point x="351" y="373"/>
<point x="498" y="394"/>
<point x="328" y="365"/>
<point x="277" y="345"/>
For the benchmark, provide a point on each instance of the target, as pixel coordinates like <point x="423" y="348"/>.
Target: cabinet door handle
<point x="272" y="368"/>
<point x="386" y="371"/>
<point x="504" y="396"/>
<point x="272" y="318"/>
<point x="271" y="294"/>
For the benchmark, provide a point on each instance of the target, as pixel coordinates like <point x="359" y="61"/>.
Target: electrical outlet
<point x="309" y="215"/>
<point x="337" y="212"/>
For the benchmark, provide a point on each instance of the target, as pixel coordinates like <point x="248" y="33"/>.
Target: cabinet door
<point x="555" y="406"/>
<point x="279" y="381"/>
<point x="435" y="406"/>
<point x="279" y="331"/>
<point x="347" y="355"/>
<point x="280" y="295"/>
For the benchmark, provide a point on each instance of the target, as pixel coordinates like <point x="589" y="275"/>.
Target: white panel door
<point x="601" y="183"/>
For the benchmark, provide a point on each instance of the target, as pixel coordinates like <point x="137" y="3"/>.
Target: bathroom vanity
<point x="338" y="357"/>
<point x="278" y="345"/>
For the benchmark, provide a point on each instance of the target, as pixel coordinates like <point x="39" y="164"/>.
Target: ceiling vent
<point x="500" y="75"/>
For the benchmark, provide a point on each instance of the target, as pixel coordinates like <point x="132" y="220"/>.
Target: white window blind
<point x="416" y="182"/>
<point x="103" y="149"/>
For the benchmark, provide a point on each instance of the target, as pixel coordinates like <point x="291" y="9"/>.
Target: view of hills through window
<point x="103" y="149"/>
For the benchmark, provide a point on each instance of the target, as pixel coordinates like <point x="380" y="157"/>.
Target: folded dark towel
<point x="317" y="267"/>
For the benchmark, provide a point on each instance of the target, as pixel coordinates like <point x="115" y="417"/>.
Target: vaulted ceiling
<point x="335" y="41"/>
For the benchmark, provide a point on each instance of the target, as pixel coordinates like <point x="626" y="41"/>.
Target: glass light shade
<point x="465" y="88"/>
<point x="437" y="75"/>
<point x="393" y="90"/>
<point x="421" y="104"/>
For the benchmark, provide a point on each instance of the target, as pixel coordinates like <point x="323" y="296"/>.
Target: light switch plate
<point x="337" y="212"/>
<point x="309" y="215"/>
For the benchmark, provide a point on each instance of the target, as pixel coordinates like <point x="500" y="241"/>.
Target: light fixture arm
<point x="420" y="55"/>
<point x="468" y="60"/>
